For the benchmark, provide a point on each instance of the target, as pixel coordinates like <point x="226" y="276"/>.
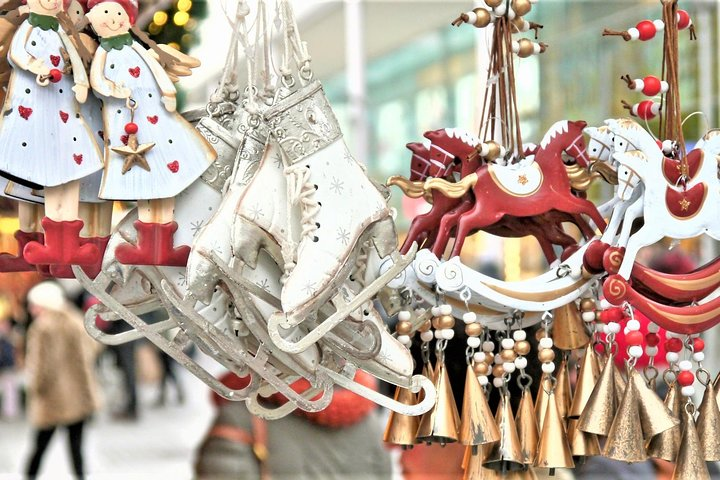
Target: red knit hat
<point x="130" y="7"/>
<point x="83" y="4"/>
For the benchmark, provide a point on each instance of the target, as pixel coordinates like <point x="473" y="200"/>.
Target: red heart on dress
<point x="55" y="60"/>
<point x="25" y="112"/>
<point x="174" y="166"/>
<point x="135" y="72"/>
<point x="78" y="158"/>
<point x="124" y="139"/>
<point x="64" y="116"/>
<point x="153" y="120"/>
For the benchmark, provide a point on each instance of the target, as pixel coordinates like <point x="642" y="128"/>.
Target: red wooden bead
<point x="686" y="378"/>
<point x="645" y="110"/>
<point x="652" y="86"/>
<point x="55" y="75"/>
<point x="683" y="19"/>
<point x="673" y="345"/>
<point x="652" y="339"/>
<point x="647" y="30"/>
<point x="698" y="344"/>
<point x="131" y="128"/>
<point x="634" y="338"/>
<point x="614" y="314"/>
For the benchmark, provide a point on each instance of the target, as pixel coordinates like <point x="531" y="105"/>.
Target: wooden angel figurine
<point x="152" y="153"/>
<point x="44" y="139"/>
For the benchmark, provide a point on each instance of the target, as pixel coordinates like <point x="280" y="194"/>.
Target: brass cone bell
<point x="477" y="424"/>
<point x="505" y="455"/>
<point x="568" y="329"/>
<point x="441" y="423"/>
<point x="597" y="417"/>
<point x="401" y="429"/>
<point x="582" y="444"/>
<point x="553" y="447"/>
<point x="563" y="393"/>
<point x="474" y="469"/>
<point x="655" y="417"/>
<point x="620" y="384"/>
<point x="690" y="465"/>
<point x="625" y="440"/>
<point x="708" y="425"/>
<point x="527" y="427"/>
<point x="587" y="378"/>
<point x="541" y="401"/>
<point x="666" y="445"/>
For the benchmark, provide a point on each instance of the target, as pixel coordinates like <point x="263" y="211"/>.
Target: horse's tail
<point x="452" y="189"/>
<point x="580" y="178"/>
<point x="409" y="188"/>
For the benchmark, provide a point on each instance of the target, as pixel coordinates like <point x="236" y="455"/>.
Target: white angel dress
<point x="180" y="155"/>
<point x="44" y="139"/>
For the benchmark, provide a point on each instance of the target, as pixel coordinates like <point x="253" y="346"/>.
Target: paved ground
<point x="160" y="445"/>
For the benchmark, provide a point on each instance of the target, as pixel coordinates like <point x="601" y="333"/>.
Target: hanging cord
<point x="671" y="122"/>
<point x="295" y="48"/>
<point x="228" y="81"/>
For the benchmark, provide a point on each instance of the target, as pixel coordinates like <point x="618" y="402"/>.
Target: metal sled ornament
<point x="238" y="282"/>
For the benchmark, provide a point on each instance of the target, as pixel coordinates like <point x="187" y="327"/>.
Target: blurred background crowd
<point x="393" y="69"/>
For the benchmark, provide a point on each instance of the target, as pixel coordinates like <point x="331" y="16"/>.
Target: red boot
<point x="92" y="271"/>
<point x="154" y="247"/>
<point x="62" y="246"/>
<point x="12" y="263"/>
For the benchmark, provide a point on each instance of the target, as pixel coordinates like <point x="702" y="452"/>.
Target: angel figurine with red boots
<point x="152" y="154"/>
<point x="44" y="139"/>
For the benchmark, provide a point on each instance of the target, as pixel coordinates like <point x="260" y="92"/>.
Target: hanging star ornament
<point x="134" y="153"/>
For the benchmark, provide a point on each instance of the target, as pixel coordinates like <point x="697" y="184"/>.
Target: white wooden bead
<point x="546" y="342"/>
<point x="635" y="351"/>
<point x="651" y="351"/>
<point x="500" y="10"/>
<point x="588" y="317"/>
<point x="659" y="25"/>
<point x="604" y="304"/>
<point x="548" y="367"/>
<point x="488" y="346"/>
<point x="672" y="357"/>
<point x="511" y="14"/>
<point x="515" y="46"/>
<point x="536" y="48"/>
<point x="653" y="327"/>
<point x="498" y="382"/>
<point x="483" y="379"/>
<point x="470" y="317"/>
<point x="639" y="85"/>
<point x="634" y="33"/>
<point x="438" y="334"/>
<point x="613" y="327"/>
<point x="435" y="311"/>
<point x="427" y="336"/>
<point x="509" y="367"/>
<point x="685" y="365"/>
<point x="688" y="391"/>
<point x="445" y="309"/>
<point x="473" y="342"/>
<point x="519" y="335"/>
<point x="472" y="17"/>
<point x="447" y="333"/>
<point x="404" y="316"/>
<point x="507" y="343"/>
<point x="664" y="86"/>
<point x="633" y="325"/>
<point x="498" y="359"/>
<point x="699" y="356"/>
<point x="521" y="362"/>
<point x="479" y="357"/>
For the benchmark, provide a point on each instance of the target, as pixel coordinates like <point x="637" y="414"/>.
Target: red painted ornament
<point x="78" y="158"/>
<point x="135" y="72"/>
<point x="154" y="119"/>
<point x="615" y="314"/>
<point x="684" y="20"/>
<point x="673" y="345"/>
<point x="131" y="128"/>
<point x="25" y="112"/>
<point x="55" y="75"/>
<point x="647" y="109"/>
<point x="64" y="116"/>
<point x="698" y="344"/>
<point x="125" y="139"/>
<point x="647" y="30"/>
<point x="174" y="167"/>
<point x="652" y="339"/>
<point x="55" y="60"/>
<point x="686" y="378"/>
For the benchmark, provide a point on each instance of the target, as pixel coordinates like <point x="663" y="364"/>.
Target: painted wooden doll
<point x="44" y="139"/>
<point x="153" y="154"/>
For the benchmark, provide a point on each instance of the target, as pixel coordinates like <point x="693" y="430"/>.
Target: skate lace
<point x="301" y="191"/>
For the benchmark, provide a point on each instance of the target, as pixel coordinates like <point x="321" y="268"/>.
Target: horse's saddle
<point x="517" y="180"/>
<point x="684" y="204"/>
<point x="674" y="169"/>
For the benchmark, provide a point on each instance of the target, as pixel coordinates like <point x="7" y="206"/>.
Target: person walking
<point x="61" y="384"/>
